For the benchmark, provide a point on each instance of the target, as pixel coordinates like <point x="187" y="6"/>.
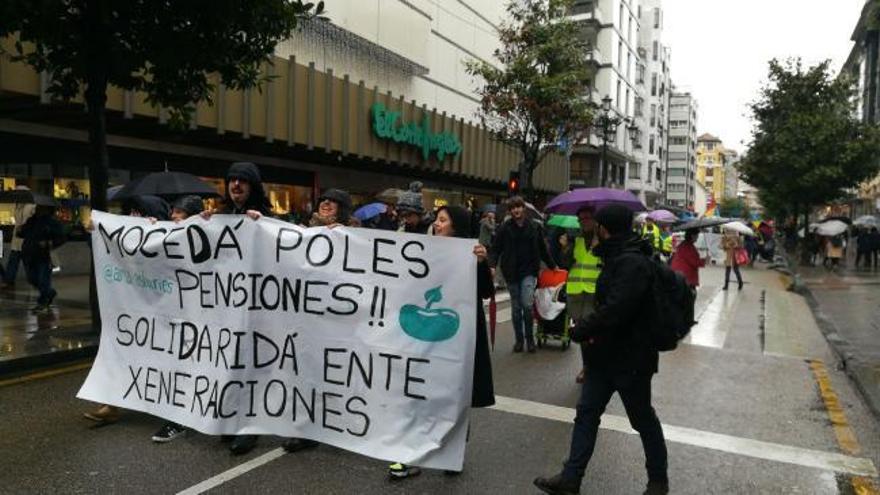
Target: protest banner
<point x="361" y="339"/>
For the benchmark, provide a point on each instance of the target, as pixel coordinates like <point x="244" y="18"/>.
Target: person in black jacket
<point x="519" y="248"/>
<point x="40" y="234"/>
<point x="619" y="354"/>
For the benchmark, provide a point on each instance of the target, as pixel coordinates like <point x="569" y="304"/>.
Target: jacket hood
<point x="249" y="172"/>
<point x="192" y="205"/>
<point x="151" y="206"/>
<point x="621" y="243"/>
<point x="342" y="200"/>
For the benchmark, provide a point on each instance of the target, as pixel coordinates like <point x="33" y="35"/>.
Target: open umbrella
<point x="26" y="196"/>
<point x="663" y="216"/>
<point x="167" y="184"/>
<point x="738" y="226"/>
<point x="866" y="221"/>
<point x="703" y="223"/>
<point x="564" y="221"/>
<point x="831" y="228"/>
<point x="533" y="212"/>
<point x="595" y="197"/>
<point x="369" y="211"/>
<point x="390" y="196"/>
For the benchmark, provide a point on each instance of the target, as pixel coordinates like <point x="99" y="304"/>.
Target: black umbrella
<point x="703" y="223"/>
<point x="165" y="185"/>
<point x="26" y="196"/>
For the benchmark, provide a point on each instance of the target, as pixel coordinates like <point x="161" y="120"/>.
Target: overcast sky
<point x="720" y="51"/>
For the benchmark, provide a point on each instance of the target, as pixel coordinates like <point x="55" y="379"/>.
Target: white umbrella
<point x="739" y="227"/>
<point x="831" y="228"/>
<point x="866" y="221"/>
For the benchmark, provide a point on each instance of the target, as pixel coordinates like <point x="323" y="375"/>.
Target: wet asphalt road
<point x="735" y="383"/>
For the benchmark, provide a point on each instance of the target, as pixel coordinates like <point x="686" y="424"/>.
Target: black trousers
<point x="739" y="278"/>
<point x="635" y="392"/>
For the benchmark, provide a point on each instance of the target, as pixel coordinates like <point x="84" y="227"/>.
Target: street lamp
<point x="605" y="128"/>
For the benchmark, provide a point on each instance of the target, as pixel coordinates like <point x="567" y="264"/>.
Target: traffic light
<point x="513" y="183"/>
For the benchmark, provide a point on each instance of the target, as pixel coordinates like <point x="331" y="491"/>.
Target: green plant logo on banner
<point x="429" y="324"/>
<point x="386" y="126"/>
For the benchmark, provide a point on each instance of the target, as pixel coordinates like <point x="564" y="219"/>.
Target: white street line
<point x="715" y="441"/>
<point x="714" y="322"/>
<point x="233" y="473"/>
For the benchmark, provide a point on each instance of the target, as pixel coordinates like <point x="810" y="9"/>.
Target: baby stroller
<point x="549" y="310"/>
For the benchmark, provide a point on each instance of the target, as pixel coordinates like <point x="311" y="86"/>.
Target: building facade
<point x="711" y="171"/>
<point x="681" y="163"/>
<point x="731" y="173"/>
<point x="341" y="110"/>
<point x="611" y="29"/>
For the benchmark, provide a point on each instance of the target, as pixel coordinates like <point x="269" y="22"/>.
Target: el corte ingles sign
<point x="386" y="126"/>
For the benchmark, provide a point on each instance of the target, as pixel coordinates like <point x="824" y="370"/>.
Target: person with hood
<point x="21" y="213"/>
<point x="412" y="211"/>
<point x="39" y="235"/>
<point x="334" y="208"/>
<point x="686" y="259"/>
<point x="454" y="221"/>
<point x="620" y="356"/>
<point x="487" y="226"/>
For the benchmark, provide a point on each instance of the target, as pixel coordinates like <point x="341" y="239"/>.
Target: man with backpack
<point x="620" y="350"/>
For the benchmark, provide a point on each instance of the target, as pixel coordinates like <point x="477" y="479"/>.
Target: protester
<point x="412" y="211"/>
<point x="39" y="235"/>
<point x="21" y="213"/>
<point x="834" y="251"/>
<point x="864" y="249"/>
<point x="583" y="271"/>
<point x="182" y="208"/>
<point x="454" y="221"/>
<point x="620" y="356"/>
<point x="519" y="248"/>
<point x="686" y="259"/>
<point x="334" y="208"/>
<point x="730" y="242"/>
<point x="652" y="233"/>
<point x="487" y="227"/>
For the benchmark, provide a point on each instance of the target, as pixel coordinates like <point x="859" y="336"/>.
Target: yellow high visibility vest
<point x="585" y="270"/>
<point x="667" y="244"/>
<point x="653" y="235"/>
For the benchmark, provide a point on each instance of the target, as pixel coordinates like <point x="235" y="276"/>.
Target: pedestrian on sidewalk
<point x="834" y="251"/>
<point x="20" y="214"/>
<point x="620" y="356"/>
<point x="583" y="272"/>
<point x="40" y="234"/>
<point x="686" y="259"/>
<point x="864" y="248"/>
<point x="730" y="243"/>
<point x="454" y="221"/>
<point x="519" y="249"/>
<point x="874" y="237"/>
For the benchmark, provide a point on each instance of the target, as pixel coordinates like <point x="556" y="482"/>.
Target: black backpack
<point x="673" y="302"/>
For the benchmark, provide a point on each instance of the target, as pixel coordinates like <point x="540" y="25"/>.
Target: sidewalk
<point x="847" y="306"/>
<point x="65" y="333"/>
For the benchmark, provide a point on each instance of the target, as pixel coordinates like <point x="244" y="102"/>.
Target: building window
<point x="654" y="51"/>
<point x="639" y="102"/>
<point x="653" y="84"/>
<point x="651" y="144"/>
<point x="617" y="99"/>
<point x="626" y="111"/>
<point x="640" y="73"/>
<point x="656" y="19"/>
<point x="653" y="115"/>
<point x="620" y="17"/>
<point x="635" y="171"/>
<point x="659" y="176"/>
<point x="628" y="64"/>
<point x="620" y="56"/>
<point x="678" y="140"/>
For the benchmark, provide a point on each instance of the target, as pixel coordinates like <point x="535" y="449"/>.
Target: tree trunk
<point x="96" y="99"/>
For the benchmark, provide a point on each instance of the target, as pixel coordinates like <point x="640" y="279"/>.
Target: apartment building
<point x="681" y="165"/>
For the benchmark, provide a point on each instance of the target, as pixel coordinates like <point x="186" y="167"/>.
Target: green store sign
<point x="386" y="126"/>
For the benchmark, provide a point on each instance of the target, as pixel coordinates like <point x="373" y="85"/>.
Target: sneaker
<point x="242" y="444"/>
<point x="398" y="471"/>
<point x="40" y="308"/>
<point x="531" y="347"/>
<point x="169" y="432"/>
<point x="657" y="487"/>
<point x="292" y="445"/>
<point x="518" y="347"/>
<point x="557" y="485"/>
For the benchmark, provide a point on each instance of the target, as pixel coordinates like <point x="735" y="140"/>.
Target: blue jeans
<point x="39" y="275"/>
<point x="635" y="392"/>
<point x="12" y="267"/>
<point x="522" y="298"/>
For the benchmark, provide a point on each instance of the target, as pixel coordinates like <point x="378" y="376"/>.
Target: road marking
<point x="845" y="435"/>
<point x="714" y="321"/>
<point x="233" y="473"/>
<point x="45" y="374"/>
<point x="828" y="461"/>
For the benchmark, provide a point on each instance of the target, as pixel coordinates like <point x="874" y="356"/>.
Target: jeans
<point x="635" y="392"/>
<point x="39" y="275"/>
<point x="12" y="267"/>
<point x="522" y="298"/>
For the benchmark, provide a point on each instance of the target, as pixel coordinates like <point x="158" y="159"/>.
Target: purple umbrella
<point x="369" y="211"/>
<point x="663" y="216"/>
<point x="570" y="202"/>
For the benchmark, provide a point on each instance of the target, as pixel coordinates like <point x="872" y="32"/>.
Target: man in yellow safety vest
<point x="583" y="270"/>
<point x="652" y="233"/>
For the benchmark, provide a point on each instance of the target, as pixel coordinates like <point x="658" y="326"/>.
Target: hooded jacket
<point x="257" y="199"/>
<point x="616" y="336"/>
<point x="151" y="206"/>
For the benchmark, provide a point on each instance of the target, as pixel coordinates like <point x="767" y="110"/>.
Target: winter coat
<point x="21" y="214"/>
<point x="483" y="394"/>
<point x="730" y="242"/>
<point x="40" y="234"/>
<point x="687" y="261"/>
<point x="487" y="233"/>
<point x="257" y="199"/>
<point x="504" y="248"/>
<point x="420" y="228"/>
<point x="615" y="337"/>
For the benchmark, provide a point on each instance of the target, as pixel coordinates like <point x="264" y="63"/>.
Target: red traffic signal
<point x="513" y="183"/>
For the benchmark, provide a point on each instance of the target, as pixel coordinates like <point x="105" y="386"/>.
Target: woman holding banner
<point x="454" y="221"/>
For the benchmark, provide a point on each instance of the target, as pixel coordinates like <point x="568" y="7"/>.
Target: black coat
<point x="616" y="336"/>
<point x="41" y="234"/>
<point x="484" y="391"/>
<point x="503" y="252"/>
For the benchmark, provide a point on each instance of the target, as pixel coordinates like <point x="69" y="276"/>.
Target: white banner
<point x="361" y="339"/>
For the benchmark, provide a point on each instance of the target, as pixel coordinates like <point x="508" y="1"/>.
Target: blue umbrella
<point x="369" y="211"/>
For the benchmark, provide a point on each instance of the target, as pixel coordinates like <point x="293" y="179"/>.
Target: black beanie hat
<point x="245" y="171"/>
<point x="461" y="220"/>
<point x="616" y="219"/>
<point x="342" y="199"/>
<point x="191" y="204"/>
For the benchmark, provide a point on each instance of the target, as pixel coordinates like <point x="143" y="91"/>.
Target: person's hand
<point x="152" y="220"/>
<point x="333" y="225"/>
<point x="90" y="226"/>
<point x="254" y="214"/>
<point x="206" y="214"/>
<point x="480" y="252"/>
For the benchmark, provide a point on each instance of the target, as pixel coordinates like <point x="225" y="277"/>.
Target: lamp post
<point x="605" y="128"/>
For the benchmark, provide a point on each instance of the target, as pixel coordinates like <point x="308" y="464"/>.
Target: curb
<point x="23" y="365"/>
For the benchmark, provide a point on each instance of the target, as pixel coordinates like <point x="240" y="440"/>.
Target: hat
<point x="342" y="200"/>
<point x="191" y="204"/>
<point x="411" y="200"/>
<point x="461" y="220"/>
<point x="616" y="219"/>
<point x="245" y="171"/>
